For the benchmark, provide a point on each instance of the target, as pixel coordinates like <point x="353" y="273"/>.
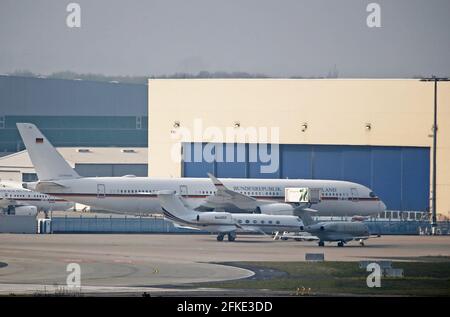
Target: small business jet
<point x="18" y="201"/>
<point x="334" y="231"/>
<point x="138" y="195"/>
<point x="223" y="223"/>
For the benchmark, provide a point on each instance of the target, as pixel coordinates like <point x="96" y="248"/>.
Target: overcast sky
<point x="279" y="38"/>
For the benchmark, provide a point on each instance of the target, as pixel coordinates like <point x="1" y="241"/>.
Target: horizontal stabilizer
<point x="46" y="186"/>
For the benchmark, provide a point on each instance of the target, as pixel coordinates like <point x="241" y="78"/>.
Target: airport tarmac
<point x="120" y="263"/>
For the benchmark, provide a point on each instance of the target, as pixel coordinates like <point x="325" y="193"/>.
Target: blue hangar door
<point x="400" y="176"/>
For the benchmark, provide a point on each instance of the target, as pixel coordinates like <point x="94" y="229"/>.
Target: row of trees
<point x="143" y="79"/>
<point x="135" y="79"/>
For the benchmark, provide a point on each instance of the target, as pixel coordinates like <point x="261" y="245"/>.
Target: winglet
<point x="215" y="181"/>
<point x="305" y="215"/>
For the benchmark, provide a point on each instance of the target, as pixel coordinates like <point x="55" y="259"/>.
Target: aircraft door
<point x="183" y="190"/>
<point x="101" y="191"/>
<point x="354" y="195"/>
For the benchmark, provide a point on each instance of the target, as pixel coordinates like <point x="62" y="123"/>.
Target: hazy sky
<point x="278" y="38"/>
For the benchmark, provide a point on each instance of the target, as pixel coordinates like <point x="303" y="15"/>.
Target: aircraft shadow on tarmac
<point x="296" y="243"/>
<point x="238" y="241"/>
<point x="262" y="240"/>
<point x="367" y="246"/>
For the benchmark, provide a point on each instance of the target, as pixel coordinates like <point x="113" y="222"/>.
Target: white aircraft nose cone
<point x="382" y="206"/>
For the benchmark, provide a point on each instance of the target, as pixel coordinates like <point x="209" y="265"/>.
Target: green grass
<point x="334" y="278"/>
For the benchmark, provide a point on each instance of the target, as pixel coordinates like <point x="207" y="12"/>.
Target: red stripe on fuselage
<point x="196" y="196"/>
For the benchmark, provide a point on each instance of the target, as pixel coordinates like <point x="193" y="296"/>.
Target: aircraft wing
<point x="226" y="196"/>
<point x="184" y="227"/>
<point x="298" y="237"/>
<point x="304" y="238"/>
<point x="251" y="229"/>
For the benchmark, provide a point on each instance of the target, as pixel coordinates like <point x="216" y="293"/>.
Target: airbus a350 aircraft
<point x="131" y="194"/>
<point x="224" y="223"/>
<point x="15" y="200"/>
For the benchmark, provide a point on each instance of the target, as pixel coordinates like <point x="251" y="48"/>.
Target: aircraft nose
<point x="382" y="206"/>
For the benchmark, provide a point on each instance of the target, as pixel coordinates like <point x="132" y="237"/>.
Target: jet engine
<point x="214" y="218"/>
<point x="24" y="211"/>
<point x="275" y="209"/>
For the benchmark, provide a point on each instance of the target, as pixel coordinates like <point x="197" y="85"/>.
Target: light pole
<point x="435" y="129"/>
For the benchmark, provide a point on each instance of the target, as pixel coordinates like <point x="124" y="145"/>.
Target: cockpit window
<point x="372" y="194"/>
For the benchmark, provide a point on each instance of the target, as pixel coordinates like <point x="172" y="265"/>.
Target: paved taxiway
<point x="133" y="263"/>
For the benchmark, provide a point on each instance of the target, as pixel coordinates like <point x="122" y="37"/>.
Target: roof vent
<point x="84" y="150"/>
<point x="128" y="151"/>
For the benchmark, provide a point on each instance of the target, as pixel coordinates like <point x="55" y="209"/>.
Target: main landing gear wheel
<point x="321" y="243"/>
<point x="231" y="237"/>
<point x="340" y="244"/>
<point x="220" y="237"/>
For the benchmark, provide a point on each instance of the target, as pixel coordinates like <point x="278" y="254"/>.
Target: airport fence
<point x="115" y="224"/>
<point x="420" y="227"/>
<point x="128" y="224"/>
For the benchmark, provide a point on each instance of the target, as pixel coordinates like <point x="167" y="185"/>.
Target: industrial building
<point x="88" y="162"/>
<point x="374" y="132"/>
<point x="73" y="112"/>
<point x="377" y="132"/>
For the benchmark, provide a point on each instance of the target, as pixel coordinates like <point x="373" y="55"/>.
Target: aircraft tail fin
<point x="47" y="161"/>
<point x="305" y="215"/>
<point x="174" y="208"/>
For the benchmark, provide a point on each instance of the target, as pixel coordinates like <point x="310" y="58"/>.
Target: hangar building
<point x="89" y="162"/>
<point x="374" y="132"/>
<point x="73" y="112"/>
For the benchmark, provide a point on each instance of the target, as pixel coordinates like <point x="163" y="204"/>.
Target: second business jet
<point x="224" y="223"/>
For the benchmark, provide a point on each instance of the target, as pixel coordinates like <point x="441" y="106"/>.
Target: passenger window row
<point x="261" y="222"/>
<point x="336" y="194"/>
<point x="24" y="196"/>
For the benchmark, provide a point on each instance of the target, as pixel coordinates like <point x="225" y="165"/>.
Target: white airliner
<point x="224" y="223"/>
<point x="129" y="194"/>
<point x="15" y="200"/>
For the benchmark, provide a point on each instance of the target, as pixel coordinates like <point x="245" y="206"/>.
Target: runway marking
<point x="123" y="261"/>
<point x="73" y="260"/>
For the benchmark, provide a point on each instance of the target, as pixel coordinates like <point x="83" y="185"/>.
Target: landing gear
<point x="361" y="242"/>
<point x="340" y="244"/>
<point x="321" y="243"/>
<point x="231" y="236"/>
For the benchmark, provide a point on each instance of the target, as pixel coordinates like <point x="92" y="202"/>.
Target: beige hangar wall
<point x="335" y="110"/>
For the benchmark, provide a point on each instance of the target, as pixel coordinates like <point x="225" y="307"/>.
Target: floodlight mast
<point x="435" y="129"/>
